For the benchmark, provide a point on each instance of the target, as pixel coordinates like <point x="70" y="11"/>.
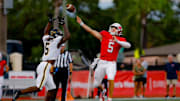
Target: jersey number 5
<point x="110" y="47"/>
<point x="46" y="49"/>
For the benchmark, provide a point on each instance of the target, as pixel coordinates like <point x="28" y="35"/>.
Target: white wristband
<point x="82" y="23"/>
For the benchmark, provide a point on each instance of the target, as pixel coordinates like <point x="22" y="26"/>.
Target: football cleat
<point x="102" y="96"/>
<point x="16" y="95"/>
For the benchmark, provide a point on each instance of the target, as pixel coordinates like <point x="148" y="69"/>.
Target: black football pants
<point x="61" y="76"/>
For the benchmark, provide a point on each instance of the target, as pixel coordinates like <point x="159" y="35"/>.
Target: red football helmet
<point x="118" y="27"/>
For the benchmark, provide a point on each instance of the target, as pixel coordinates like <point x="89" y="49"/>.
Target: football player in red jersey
<point x="111" y="42"/>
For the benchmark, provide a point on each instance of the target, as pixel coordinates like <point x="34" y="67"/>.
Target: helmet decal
<point x="55" y="32"/>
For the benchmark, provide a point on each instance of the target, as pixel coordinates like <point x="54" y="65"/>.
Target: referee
<point x="63" y="71"/>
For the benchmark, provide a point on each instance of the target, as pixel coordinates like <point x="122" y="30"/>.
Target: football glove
<point x="61" y="20"/>
<point x="50" y="18"/>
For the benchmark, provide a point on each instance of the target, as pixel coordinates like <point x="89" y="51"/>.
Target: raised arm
<point x="122" y="43"/>
<point x="66" y="36"/>
<point x="66" y="33"/>
<point x="93" y="32"/>
<point x="47" y="28"/>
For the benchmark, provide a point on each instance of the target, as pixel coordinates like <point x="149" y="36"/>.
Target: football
<point x="70" y="8"/>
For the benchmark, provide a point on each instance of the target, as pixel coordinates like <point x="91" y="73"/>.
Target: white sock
<point x="109" y="99"/>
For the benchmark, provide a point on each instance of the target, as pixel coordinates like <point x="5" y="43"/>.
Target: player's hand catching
<point x="50" y="17"/>
<point x="61" y="20"/>
<point x="78" y="19"/>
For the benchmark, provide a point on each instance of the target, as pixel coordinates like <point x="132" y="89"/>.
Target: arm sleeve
<point x="122" y="41"/>
<point x="124" y="44"/>
<point x="45" y="37"/>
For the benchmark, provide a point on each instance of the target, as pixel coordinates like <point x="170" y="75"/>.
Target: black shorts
<point x="144" y="80"/>
<point x="138" y="80"/>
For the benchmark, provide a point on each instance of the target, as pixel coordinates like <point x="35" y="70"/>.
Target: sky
<point x="104" y="4"/>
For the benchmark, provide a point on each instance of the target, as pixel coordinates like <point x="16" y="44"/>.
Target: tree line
<point x="146" y="23"/>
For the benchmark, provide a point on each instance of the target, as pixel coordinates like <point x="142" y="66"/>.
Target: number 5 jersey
<point x="109" y="48"/>
<point x="50" y="47"/>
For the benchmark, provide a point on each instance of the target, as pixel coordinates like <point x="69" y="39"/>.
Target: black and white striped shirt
<point x="63" y="60"/>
